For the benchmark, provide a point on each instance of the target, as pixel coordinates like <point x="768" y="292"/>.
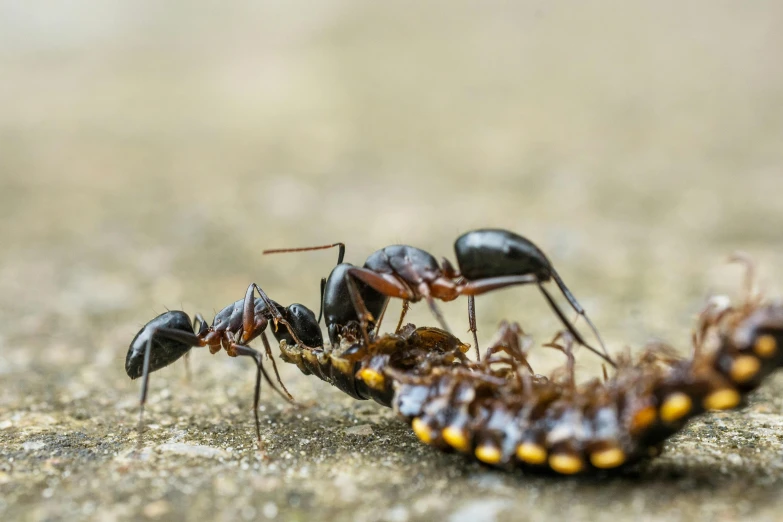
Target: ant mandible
<point x="488" y="259"/>
<point x="172" y="334"/>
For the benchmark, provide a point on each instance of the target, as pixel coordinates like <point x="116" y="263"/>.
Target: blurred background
<point x="150" y="151"/>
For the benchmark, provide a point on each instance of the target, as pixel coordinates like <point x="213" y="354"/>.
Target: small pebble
<point x="362" y="430"/>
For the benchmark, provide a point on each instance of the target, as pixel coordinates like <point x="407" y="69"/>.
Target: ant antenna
<point x="340" y="253"/>
<point x="340" y="257"/>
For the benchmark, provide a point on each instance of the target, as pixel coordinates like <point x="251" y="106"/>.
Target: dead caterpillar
<point x="599" y="425"/>
<point x="504" y="415"/>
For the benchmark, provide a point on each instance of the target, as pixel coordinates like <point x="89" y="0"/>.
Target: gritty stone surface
<point x="148" y="156"/>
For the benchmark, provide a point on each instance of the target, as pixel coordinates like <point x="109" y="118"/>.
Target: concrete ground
<point x="148" y="153"/>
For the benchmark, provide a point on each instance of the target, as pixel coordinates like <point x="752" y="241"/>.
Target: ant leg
<point x="472" y="324"/>
<point x="249" y="311"/>
<point x="145" y="379"/>
<point x="248" y="314"/>
<point x="241" y="349"/>
<point x="474" y="288"/>
<point x="274" y="365"/>
<point x="393" y="287"/>
<point x="437" y="313"/>
<point x="405" y="307"/>
<point x="482" y="286"/>
<point x="380" y="318"/>
<point x="577" y="308"/>
<point x="571" y="328"/>
<point x="385" y="284"/>
<point x="360" y="307"/>
<point x="198" y="325"/>
<point x="494" y="283"/>
<point x="199" y="320"/>
<point x="382" y="283"/>
<point x="257" y="393"/>
<point x="173" y="334"/>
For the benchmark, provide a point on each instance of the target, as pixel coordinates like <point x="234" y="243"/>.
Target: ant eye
<point x="300" y="312"/>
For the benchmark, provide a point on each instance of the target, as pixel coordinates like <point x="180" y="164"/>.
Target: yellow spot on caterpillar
<point x="643" y="418"/>
<point x="422" y="431"/>
<point x="607" y="458"/>
<point x="744" y="368"/>
<point x="531" y="453"/>
<point x="456" y="438"/>
<point x="724" y="399"/>
<point x="765" y="346"/>
<point x="565" y="463"/>
<point x="488" y="453"/>
<point x="676" y="406"/>
<point x="372" y="378"/>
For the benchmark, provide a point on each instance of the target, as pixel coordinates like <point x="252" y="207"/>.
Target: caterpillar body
<point x="503" y="414"/>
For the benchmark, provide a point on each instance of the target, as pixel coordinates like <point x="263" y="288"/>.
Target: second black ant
<point x="488" y="259"/>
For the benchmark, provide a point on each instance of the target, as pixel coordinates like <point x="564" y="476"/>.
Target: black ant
<point x="172" y="334"/>
<point x="488" y="259"/>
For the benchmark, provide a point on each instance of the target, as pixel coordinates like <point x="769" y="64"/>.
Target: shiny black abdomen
<point x="164" y="350"/>
<point x="495" y="252"/>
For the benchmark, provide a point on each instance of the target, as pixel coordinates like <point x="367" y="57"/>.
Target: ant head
<point x="338" y="307"/>
<point x="165" y="349"/>
<point x="304" y="324"/>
